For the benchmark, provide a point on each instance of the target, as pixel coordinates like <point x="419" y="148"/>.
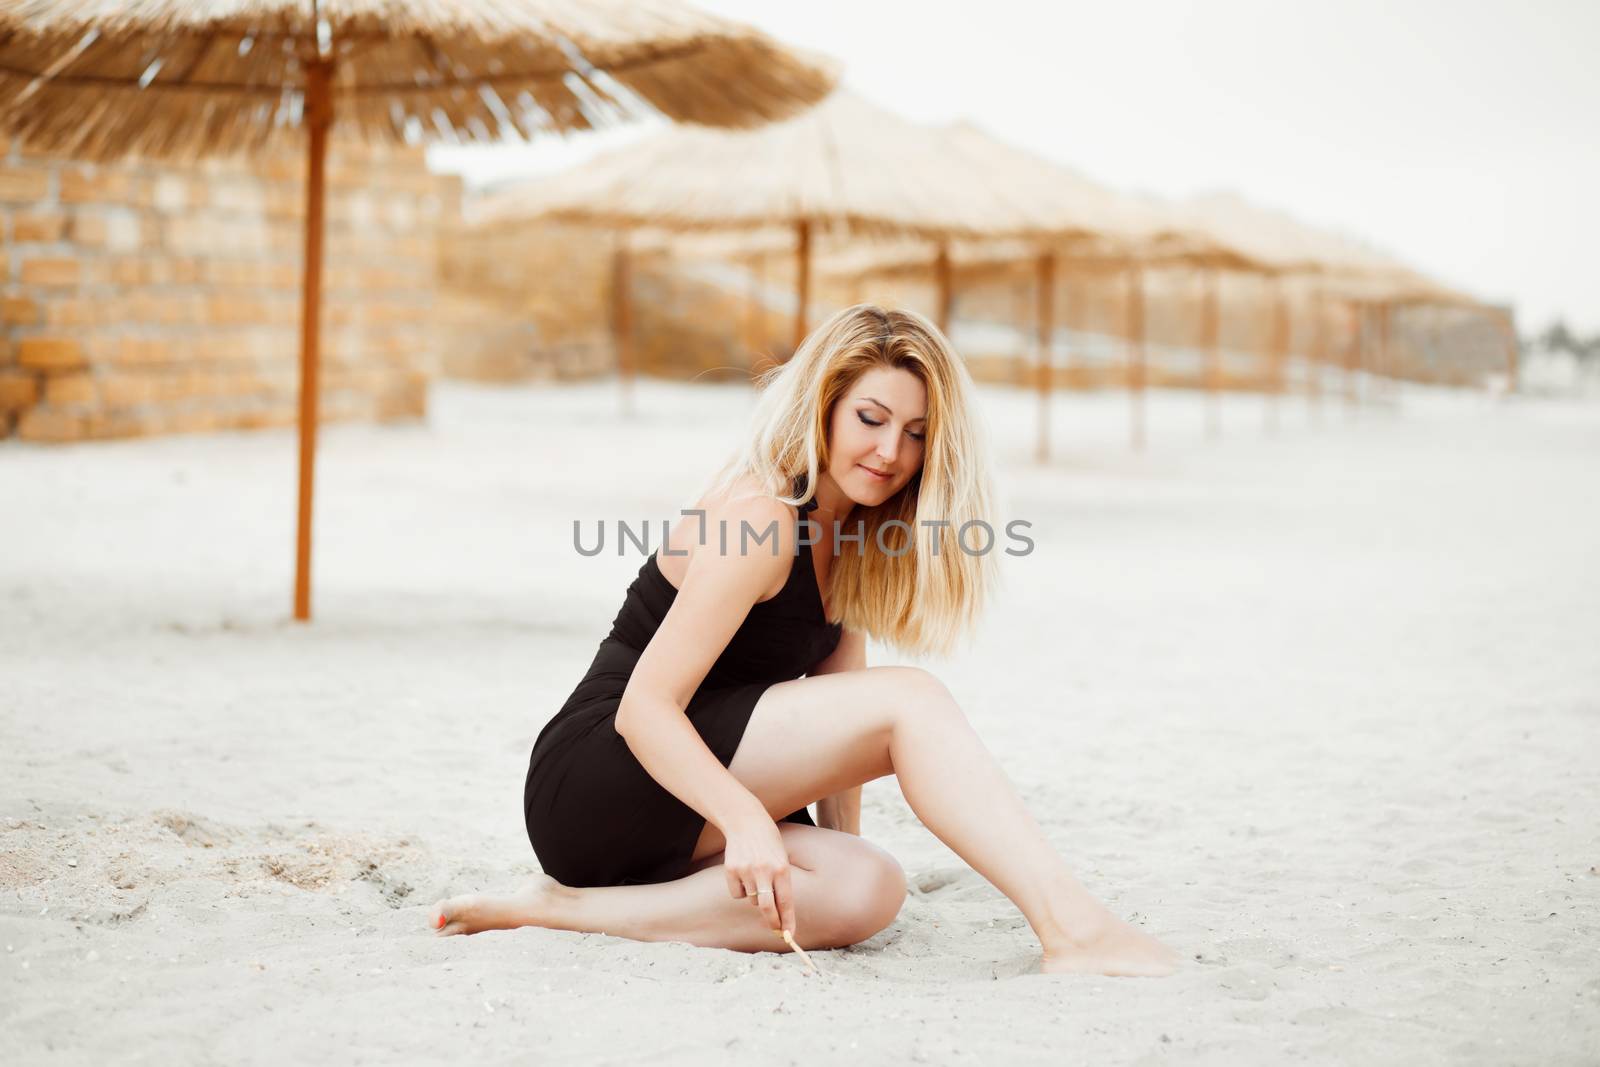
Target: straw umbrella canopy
<point x="844" y="169"/>
<point x="1081" y="225"/>
<point x="184" y="78"/>
<point x="1289" y="246"/>
<point x="1341" y="267"/>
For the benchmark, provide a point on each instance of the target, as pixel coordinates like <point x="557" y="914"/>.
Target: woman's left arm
<point x="842" y="811"/>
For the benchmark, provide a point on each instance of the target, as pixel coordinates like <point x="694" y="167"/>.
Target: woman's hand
<point x="757" y="866"/>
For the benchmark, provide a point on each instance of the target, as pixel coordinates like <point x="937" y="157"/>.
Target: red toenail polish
<point x="440" y="924"/>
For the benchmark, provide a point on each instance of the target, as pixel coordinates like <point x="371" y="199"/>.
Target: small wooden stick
<point x="787" y="936"/>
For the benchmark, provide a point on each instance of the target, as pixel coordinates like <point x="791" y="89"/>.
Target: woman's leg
<point x="846" y="889"/>
<point x="816" y="736"/>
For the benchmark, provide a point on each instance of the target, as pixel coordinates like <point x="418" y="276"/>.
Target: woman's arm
<point x="842" y="811"/>
<point x="718" y="591"/>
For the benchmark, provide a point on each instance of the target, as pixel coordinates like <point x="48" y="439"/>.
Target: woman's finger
<point x="785" y="900"/>
<point x="769" y="908"/>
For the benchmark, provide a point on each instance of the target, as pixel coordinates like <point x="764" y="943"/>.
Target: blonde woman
<point x="666" y="800"/>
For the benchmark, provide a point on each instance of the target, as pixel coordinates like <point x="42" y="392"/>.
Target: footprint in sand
<point x="954" y="883"/>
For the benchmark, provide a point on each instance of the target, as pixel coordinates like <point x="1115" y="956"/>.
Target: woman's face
<point x="876" y="435"/>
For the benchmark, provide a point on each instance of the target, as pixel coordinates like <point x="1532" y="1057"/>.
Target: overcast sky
<point x="1460" y="136"/>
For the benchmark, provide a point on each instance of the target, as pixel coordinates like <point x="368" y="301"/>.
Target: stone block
<point x="82" y="185"/>
<point x="72" y="311"/>
<point x="230" y="310"/>
<point x="38" y="226"/>
<point x="140" y="423"/>
<point x="50" y="353"/>
<point x="138" y="352"/>
<point x="130" y="271"/>
<point x="265" y="418"/>
<point x="238" y="197"/>
<point x="69" y="390"/>
<point x="47" y="424"/>
<point x="19" y="311"/>
<point x="114" y="229"/>
<point x="23" y="185"/>
<point x="18" y="390"/>
<point x="55" y="272"/>
<point x="126" y="390"/>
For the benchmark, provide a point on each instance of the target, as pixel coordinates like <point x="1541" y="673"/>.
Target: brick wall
<point x="143" y="297"/>
<point x="533" y="301"/>
<point x="524" y="301"/>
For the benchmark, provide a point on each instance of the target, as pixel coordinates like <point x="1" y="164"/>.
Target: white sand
<point x="1322" y="710"/>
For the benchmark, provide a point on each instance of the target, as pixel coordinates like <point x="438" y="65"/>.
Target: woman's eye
<point x="869" y="422"/>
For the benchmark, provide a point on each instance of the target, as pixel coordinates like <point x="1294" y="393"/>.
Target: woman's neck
<point x="833" y="505"/>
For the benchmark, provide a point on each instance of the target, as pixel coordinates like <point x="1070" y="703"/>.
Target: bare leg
<point x="815" y="736"/>
<point x="846" y="889"/>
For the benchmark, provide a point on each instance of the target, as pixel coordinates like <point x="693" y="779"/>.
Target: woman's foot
<point x="1114" y="948"/>
<point x="535" y="904"/>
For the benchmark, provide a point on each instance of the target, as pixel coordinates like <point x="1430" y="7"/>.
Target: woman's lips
<point x="875" y="474"/>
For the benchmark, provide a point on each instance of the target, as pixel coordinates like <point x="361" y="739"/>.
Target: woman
<point x="656" y="797"/>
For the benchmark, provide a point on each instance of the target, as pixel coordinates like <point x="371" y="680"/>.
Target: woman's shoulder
<point x="745" y="498"/>
<point x="744" y="525"/>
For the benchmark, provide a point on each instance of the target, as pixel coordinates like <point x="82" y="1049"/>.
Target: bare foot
<point x="1115" y="949"/>
<point x="533" y="905"/>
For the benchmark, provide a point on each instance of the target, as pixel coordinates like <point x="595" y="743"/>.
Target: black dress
<point x="595" y="816"/>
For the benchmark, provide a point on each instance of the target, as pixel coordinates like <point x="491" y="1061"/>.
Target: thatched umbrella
<point x="844" y="169"/>
<point x="1080" y="226"/>
<point x="1340" y="267"/>
<point x="1375" y="306"/>
<point x="185" y="78"/>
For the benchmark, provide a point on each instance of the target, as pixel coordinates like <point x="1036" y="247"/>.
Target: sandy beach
<point x="1321" y="709"/>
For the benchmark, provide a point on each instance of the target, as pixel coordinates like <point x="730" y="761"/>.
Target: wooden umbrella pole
<point x="1046" y="328"/>
<point x="318" y="118"/>
<point x="946" y="289"/>
<point x="1437" y="365"/>
<point x="1356" y="311"/>
<point x="1136" y="354"/>
<point x="1508" y="324"/>
<point x="622" y="320"/>
<point x="754" y="313"/>
<point x="1318" y="355"/>
<point x="1068" y="287"/>
<point x="1382" y="355"/>
<point x="1211" y="340"/>
<point x="802" y="283"/>
<point x="1278" y="353"/>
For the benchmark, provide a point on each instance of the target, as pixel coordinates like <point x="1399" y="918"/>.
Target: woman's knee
<point x="888" y="886"/>
<point x="871" y="897"/>
<point x="913" y="691"/>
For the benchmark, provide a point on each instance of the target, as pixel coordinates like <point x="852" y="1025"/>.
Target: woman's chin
<point x="872" y="495"/>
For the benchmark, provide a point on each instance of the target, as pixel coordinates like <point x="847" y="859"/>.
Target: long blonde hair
<point x="928" y="598"/>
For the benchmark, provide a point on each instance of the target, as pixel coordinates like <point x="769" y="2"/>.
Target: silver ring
<point x="760" y="891"/>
